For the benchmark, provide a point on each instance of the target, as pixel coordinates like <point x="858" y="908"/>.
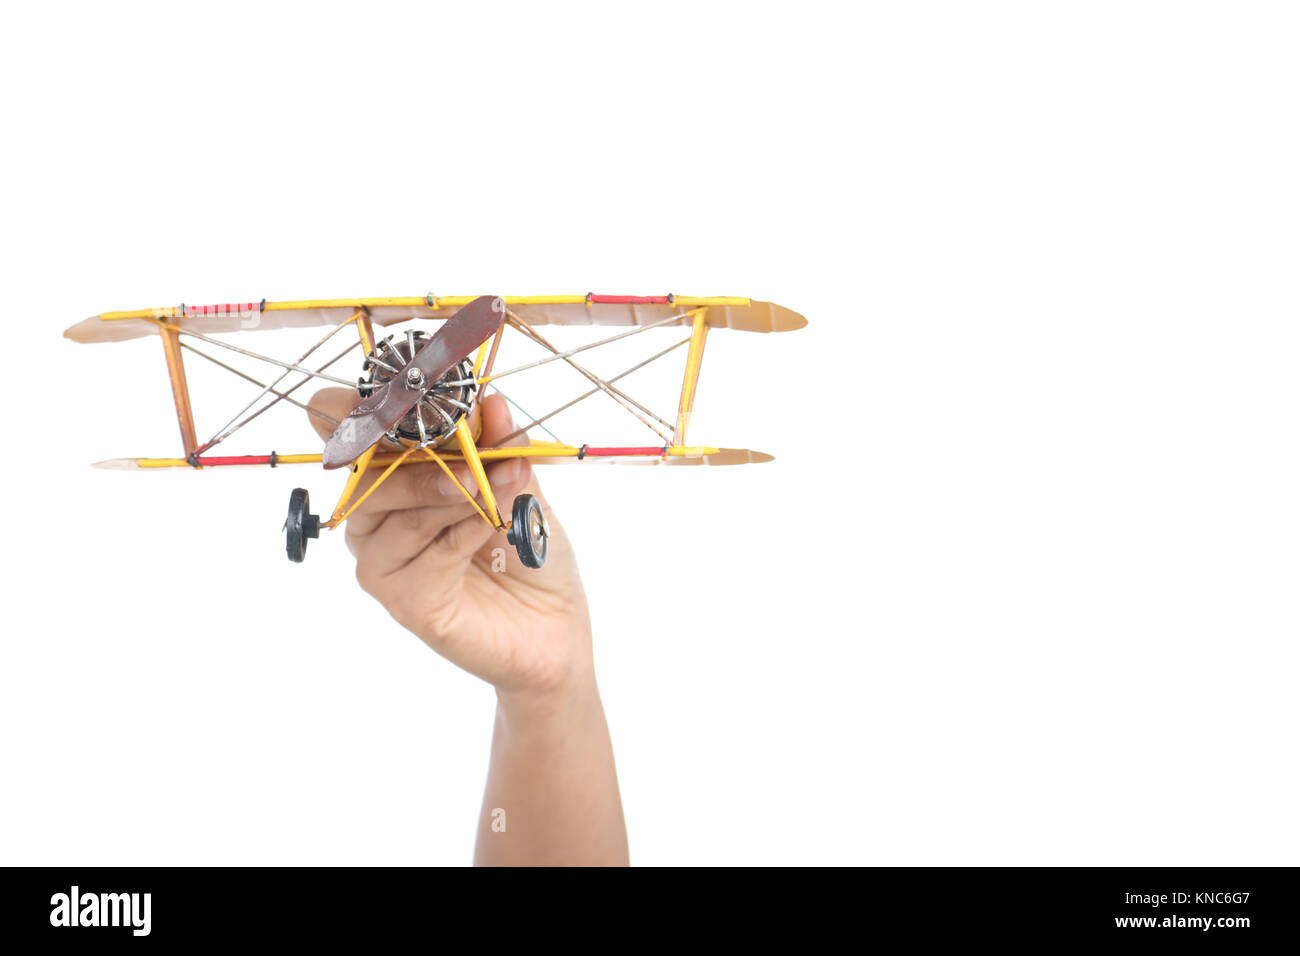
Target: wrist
<point x="532" y="707"/>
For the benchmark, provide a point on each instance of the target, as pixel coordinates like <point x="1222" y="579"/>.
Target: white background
<point x="1019" y="587"/>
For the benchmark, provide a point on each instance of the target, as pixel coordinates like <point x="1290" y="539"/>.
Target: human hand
<point x="426" y="555"/>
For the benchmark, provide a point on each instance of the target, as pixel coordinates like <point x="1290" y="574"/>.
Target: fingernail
<point x="447" y="486"/>
<point x="510" y="472"/>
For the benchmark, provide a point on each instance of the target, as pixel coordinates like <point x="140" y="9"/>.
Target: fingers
<point x="425" y="485"/>
<point x="511" y="474"/>
<point x="415" y="486"/>
<point x="334" y="402"/>
<point x="387" y="541"/>
<point x="417" y="534"/>
<point x="497" y="423"/>
<point x="420" y="507"/>
<point x="411" y="485"/>
<point x="466" y="537"/>
<point x="432" y="540"/>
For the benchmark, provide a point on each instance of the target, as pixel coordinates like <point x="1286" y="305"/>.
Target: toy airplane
<point x="418" y="390"/>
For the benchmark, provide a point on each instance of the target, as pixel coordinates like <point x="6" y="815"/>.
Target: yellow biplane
<point x="418" y="387"/>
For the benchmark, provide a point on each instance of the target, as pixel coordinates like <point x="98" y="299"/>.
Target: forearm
<point x="552" y="791"/>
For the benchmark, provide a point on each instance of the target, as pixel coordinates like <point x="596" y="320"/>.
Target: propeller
<point x="384" y="407"/>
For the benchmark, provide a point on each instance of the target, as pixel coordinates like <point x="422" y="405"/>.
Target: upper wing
<point x="723" y="312"/>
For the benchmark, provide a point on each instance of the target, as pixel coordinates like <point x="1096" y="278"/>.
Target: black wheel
<point x="299" y="525"/>
<point x="528" y="532"/>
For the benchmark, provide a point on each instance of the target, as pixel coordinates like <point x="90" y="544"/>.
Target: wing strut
<point x="699" y="332"/>
<point x="180" y="387"/>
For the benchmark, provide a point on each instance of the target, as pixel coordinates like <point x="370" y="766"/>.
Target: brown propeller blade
<point x="382" y="409"/>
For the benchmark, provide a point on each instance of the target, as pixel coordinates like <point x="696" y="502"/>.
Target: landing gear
<point x="300" y="525"/>
<point x="528" y="532"/>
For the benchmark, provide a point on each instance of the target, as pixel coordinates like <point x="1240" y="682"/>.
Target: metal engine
<point x="432" y="420"/>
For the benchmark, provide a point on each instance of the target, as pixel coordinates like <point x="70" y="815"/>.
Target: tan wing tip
<point x="82" y="331"/>
<point x="737" y="456"/>
<point x="791" y="320"/>
<point x="118" y="464"/>
<point x="95" y="329"/>
<point x="770" y="317"/>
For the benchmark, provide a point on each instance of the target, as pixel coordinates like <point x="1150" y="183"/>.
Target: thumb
<point x="334" y="402"/>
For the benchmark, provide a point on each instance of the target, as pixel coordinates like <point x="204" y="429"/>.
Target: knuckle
<point x="454" y="538"/>
<point x="426" y="483"/>
<point x="366" y="576"/>
<point x="439" y="623"/>
<point x="419" y="520"/>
